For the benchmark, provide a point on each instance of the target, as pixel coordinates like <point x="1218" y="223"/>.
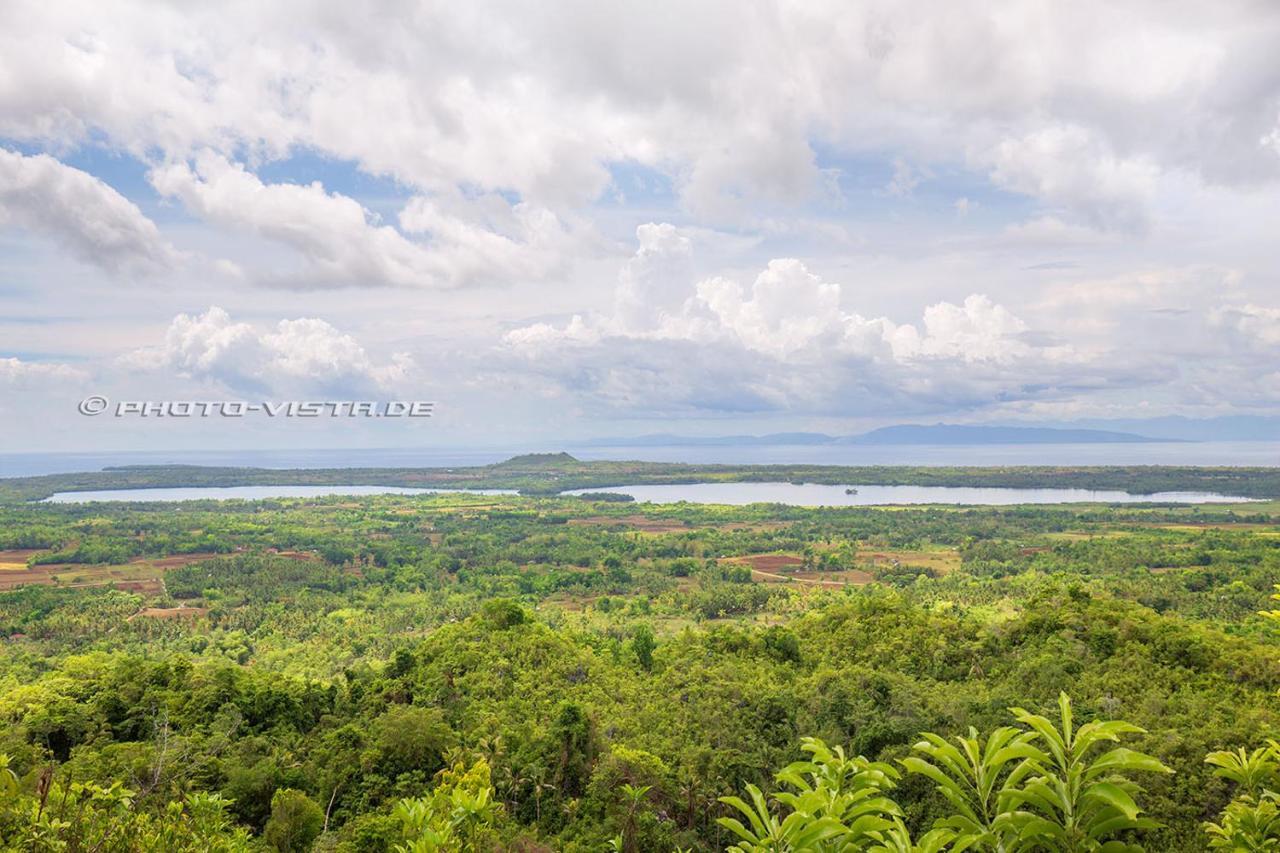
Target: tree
<point x="643" y="644"/>
<point x="295" y="821"/>
<point x="575" y="745"/>
<point x="410" y="737"/>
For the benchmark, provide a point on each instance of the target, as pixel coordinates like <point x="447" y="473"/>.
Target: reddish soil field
<point x="140" y="575"/>
<point x="17" y="559"/>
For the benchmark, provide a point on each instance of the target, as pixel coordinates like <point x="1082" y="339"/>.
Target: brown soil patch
<point x="142" y="575"/>
<point x="768" y="562"/>
<point x="941" y="562"/>
<point x="16" y="560"/>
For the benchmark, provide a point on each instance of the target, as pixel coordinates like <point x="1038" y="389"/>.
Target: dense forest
<point x="468" y="672"/>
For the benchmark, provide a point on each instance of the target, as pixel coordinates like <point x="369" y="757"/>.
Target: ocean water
<point x="1243" y="453"/>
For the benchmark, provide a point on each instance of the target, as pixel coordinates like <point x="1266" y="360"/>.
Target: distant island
<point x="920" y="434"/>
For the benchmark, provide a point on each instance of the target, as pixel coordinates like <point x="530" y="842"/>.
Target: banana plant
<point x="977" y="780"/>
<point x="1071" y="801"/>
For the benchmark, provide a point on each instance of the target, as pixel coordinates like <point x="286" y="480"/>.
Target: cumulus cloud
<point x="345" y="245"/>
<point x="80" y="213"/>
<point x="305" y="355"/>
<point x="1136" y="136"/>
<point x="786" y="341"/>
<point x="542" y="102"/>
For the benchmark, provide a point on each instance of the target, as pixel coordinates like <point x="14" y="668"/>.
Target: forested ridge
<point x="471" y="673"/>
<point x="551" y="473"/>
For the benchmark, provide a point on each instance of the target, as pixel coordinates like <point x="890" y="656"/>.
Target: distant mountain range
<point x="951" y="434"/>
<point x="1224" y="428"/>
<point x="937" y="434"/>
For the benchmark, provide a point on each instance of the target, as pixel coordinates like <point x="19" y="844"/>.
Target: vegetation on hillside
<point x="497" y="672"/>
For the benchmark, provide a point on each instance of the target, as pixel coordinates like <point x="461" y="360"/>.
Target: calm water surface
<point x="812" y="494"/>
<point x="251" y="493"/>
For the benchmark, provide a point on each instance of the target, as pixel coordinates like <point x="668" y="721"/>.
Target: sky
<point x="583" y="219"/>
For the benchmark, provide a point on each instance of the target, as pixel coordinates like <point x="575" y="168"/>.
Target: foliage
<point x="294" y="823"/>
<point x="1250" y="822"/>
<point x="344" y="657"/>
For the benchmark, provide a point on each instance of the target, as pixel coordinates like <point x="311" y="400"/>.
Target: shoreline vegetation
<point x="543" y="474"/>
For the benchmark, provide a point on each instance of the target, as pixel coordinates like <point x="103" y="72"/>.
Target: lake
<point x="812" y="494"/>
<point x="251" y="493"/>
<point x="737" y="494"/>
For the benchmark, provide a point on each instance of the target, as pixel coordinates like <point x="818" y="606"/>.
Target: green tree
<point x="643" y="644"/>
<point x="295" y="821"/>
<point x="411" y="737"/>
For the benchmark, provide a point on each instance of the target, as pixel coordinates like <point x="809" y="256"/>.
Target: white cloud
<point x="1099" y="149"/>
<point x="906" y="178"/>
<point x="787" y="342"/>
<point x="1256" y="325"/>
<point x="1069" y="167"/>
<point x="305" y="355"/>
<point x="345" y="245"/>
<point x="81" y="213"/>
<point x="15" y="371"/>
<point x="541" y="101"/>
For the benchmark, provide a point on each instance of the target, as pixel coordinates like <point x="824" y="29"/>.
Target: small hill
<point x="538" y="461"/>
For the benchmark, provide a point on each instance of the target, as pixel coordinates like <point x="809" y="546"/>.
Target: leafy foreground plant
<point x="1038" y="788"/>
<point x="458" y="815"/>
<point x="89" y="817"/>
<point x="838" y="803"/>
<point x="1252" y="820"/>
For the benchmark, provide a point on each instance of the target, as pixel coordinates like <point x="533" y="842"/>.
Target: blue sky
<point x="687" y="218"/>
